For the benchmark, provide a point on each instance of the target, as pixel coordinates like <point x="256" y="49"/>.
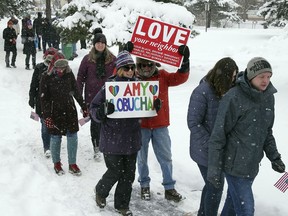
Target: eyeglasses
<point x="141" y="65"/>
<point x="127" y="68"/>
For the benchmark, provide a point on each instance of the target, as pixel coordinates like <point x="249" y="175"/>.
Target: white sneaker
<point x="47" y="153"/>
<point x="97" y="154"/>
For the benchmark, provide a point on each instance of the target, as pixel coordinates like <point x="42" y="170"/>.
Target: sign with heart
<point x="132" y="99"/>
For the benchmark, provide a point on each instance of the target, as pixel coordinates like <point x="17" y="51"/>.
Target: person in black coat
<point x="29" y="45"/>
<point x="37" y="26"/>
<point x="46" y="34"/>
<point x="9" y="36"/>
<point x="34" y="96"/>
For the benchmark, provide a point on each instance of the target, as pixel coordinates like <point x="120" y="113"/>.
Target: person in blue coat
<point x="202" y="111"/>
<point x="242" y="134"/>
<point x="120" y="140"/>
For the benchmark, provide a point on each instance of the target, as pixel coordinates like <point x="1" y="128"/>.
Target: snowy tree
<point x="117" y="19"/>
<point x="220" y="10"/>
<point x="245" y="6"/>
<point x="275" y="12"/>
<point x="14" y="7"/>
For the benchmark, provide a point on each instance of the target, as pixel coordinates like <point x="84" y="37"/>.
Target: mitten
<point x="184" y="51"/>
<point x="128" y="46"/>
<point x="278" y="165"/>
<point x="31" y="102"/>
<point x="49" y="123"/>
<point x="105" y="109"/>
<point x="157" y="104"/>
<point x="85" y="113"/>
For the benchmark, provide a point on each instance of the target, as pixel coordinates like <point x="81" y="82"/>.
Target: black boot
<point x="7" y="65"/>
<point x="27" y="67"/>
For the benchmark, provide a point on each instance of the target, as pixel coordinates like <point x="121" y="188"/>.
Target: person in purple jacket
<point x="94" y="70"/>
<point x="202" y="111"/>
<point x="120" y="141"/>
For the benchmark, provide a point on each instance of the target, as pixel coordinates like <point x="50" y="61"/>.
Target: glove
<point x="184" y="51"/>
<point x="105" y="109"/>
<point x="31" y="102"/>
<point x="157" y="104"/>
<point x="128" y="46"/>
<point x="49" y="123"/>
<point x="85" y="113"/>
<point x="278" y="165"/>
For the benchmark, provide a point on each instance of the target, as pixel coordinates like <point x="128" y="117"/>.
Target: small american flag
<point x="34" y="116"/>
<point x="84" y="120"/>
<point x="282" y="183"/>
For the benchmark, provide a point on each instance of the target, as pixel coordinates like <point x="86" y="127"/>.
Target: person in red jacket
<point x="156" y="128"/>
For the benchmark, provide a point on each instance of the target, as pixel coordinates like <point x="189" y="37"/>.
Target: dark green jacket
<point x="242" y="131"/>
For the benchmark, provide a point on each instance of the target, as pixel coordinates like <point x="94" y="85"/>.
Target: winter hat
<point x="48" y="55"/>
<point x="9" y="23"/>
<point x="257" y="66"/>
<point x="61" y="63"/>
<point x="55" y="58"/>
<point x="124" y="58"/>
<point x="99" y="36"/>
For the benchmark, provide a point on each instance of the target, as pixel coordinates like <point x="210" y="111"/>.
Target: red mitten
<point x="49" y="123"/>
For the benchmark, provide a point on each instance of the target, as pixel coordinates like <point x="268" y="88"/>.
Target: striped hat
<point x="124" y="58"/>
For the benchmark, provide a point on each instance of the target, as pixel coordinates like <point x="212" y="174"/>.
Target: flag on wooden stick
<point x="282" y="183"/>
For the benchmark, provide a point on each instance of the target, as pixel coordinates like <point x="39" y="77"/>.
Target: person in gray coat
<point x="242" y="133"/>
<point x="202" y="111"/>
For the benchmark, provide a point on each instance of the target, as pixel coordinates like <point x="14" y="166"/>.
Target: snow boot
<point x="173" y="195"/>
<point x="8" y="66"/>
<point x="58" y="168"/>
<point x="145" y="193"/>
<point x="74" y="169"/>
<point x="101" y="202"/>
<point x="27" y="67"/>
<point x="125" y="212"/>
<point x="13" y="65"/>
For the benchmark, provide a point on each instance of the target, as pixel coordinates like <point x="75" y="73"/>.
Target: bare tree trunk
<point x="48" y="9"/>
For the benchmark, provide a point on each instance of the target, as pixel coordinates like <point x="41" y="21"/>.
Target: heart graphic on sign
<point x="114" y="90"/>
<point x="153" y="89"/>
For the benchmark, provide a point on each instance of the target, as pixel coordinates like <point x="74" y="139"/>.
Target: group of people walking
<point x="230" y="117"/>
<point x="35" y="35"/>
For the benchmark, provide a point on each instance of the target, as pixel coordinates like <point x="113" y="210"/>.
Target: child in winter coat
<point x="57" y="89"/>
<point x="29" y="45"/>
<point x="10" y="36"/>
<point x="120" y="140"/>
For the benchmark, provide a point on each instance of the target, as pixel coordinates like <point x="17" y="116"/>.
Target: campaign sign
<point x="132" y="99"/>
<point x="158" y="41"/>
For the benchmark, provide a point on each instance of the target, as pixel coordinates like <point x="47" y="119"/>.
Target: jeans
<point x="72" y="144"/>
<point x="240" y="193"/>
<point x="45" y="136"/>
<point x="162" y="148"/>
<point x="211" y="196"/>
<point x="120" y="169"/>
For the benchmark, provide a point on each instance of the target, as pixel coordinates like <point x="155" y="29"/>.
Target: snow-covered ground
<point x="29" y="186"/>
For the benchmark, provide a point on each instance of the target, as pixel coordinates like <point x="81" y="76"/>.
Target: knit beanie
<point x="257" y="66"/>
<point x="61" y="63"/>
<point x="99" y="36"/>
<point x="55" y="58"/>
<point x="124" y="58"/>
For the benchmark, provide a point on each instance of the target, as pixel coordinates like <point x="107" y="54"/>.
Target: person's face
<point x="100" y="46"/>
<point x="261" y="81"/>
<point x="128" y="71"/>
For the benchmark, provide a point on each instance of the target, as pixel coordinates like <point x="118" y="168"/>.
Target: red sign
<point x="158" y="41"/>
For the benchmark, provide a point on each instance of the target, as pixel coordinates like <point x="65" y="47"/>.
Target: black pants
<point x="120" y="169"/>
<point x="27" y="59"/>
<point x="95" y="133"/>
<point x="7" y="57"/>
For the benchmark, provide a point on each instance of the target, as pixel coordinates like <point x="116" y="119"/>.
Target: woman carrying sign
<point x="120" y="140"/>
